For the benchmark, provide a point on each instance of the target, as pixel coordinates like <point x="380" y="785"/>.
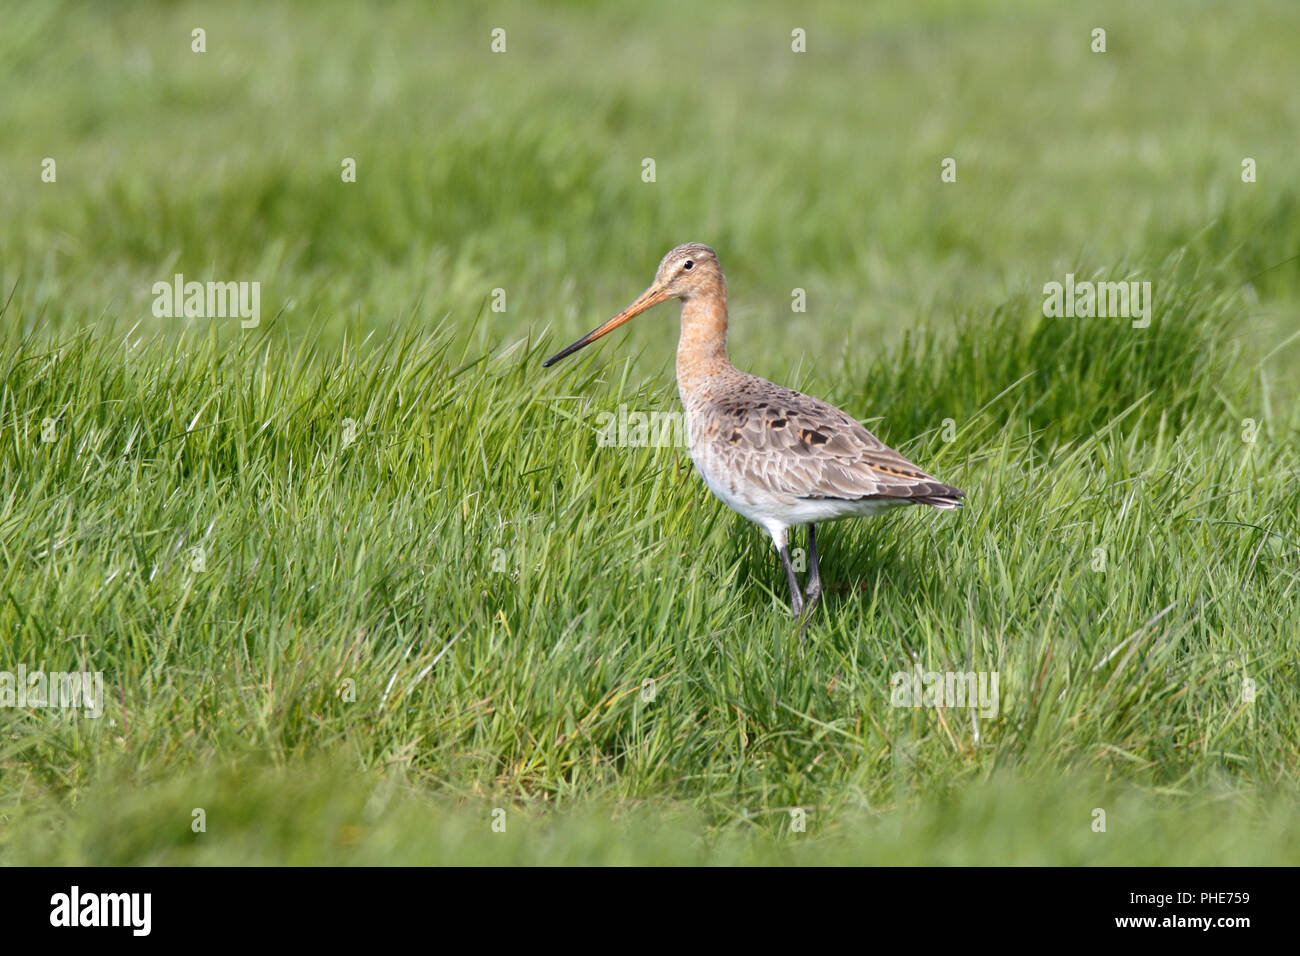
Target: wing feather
<point x="790" y="443"/>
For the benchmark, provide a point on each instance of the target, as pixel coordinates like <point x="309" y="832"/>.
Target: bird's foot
<point x="813" y="595"/>
<point x="805" y="612"/>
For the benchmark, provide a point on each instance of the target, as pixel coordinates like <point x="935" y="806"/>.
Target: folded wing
<point x="790" y="443"/>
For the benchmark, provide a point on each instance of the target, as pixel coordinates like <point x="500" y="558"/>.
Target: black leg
<point x="796" y="599"/>
<point x="814" y="593"/>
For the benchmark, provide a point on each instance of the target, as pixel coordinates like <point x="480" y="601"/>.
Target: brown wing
<point x="791" y="443"/>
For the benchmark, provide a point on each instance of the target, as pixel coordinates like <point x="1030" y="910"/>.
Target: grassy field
<point x="365" y="586"/>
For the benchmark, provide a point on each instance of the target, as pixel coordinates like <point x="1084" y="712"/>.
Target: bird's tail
<point x="947" y="500"/>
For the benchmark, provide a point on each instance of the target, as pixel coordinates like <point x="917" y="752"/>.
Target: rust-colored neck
<point x="702" y="349"/>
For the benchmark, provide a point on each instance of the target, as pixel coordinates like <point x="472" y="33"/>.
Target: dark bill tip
<point x="565" y="352"/>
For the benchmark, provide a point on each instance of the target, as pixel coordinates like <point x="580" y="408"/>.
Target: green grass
<point x="457" y="611"/>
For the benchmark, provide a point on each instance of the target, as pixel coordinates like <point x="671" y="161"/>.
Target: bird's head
<point x="687" y="271"/>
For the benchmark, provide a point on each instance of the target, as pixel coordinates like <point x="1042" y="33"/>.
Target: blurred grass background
<point x="522" y="170"/>
<point x="482" y="687"/>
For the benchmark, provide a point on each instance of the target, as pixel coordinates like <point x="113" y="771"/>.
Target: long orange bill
<point x="648" y="299"/>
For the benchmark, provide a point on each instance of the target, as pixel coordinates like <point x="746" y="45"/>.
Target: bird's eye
<point x="689" y="264"/>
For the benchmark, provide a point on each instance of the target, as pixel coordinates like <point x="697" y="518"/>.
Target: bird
<point x="776" y="456"/>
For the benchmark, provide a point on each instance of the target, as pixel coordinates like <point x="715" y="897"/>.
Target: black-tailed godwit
<point x="776" y="456"/>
